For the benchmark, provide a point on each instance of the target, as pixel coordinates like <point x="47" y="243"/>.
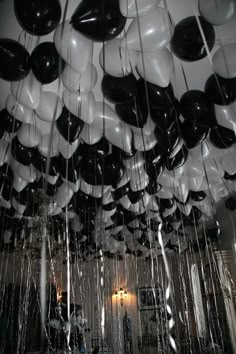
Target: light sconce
<point x="121" y="295"/>
<point x="59" y="296"/>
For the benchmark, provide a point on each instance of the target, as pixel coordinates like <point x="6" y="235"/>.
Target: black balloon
<point x="110" y="206"/>
<point x="49" y="188"/>
<point x="165" y="116"/>
<point x="22" y="154"/>
<point x="95" y="151"/>
<point x="154" y="170"/>
<point x="219" y="90"/>
<point x="8" y="122"/>
<point x="168" y="140"/>
<point x="120" y="192"/>
<point x="46" y="63"/>
<point x="178" y="160"/>
<point x="134" y="197"/>
<point x="38" y="17"/>
<point x="98" y="20"/>
<point x="153" y="187"/>
<point x="121" y="154"/>
<point x="230" y="204"/>
<point x="196" y="108"/>
<point x="14" y="60"/>
<point x="193" y="134"/>
<point x="187" y="42"/>
<point x="222" y="137"/>
<point x="165" y="203"/>
<point x="92" y="171"/>
<point x="6" y="181"/>
<point x="113" y="170"/>
<point x="157" y="96"/>
<point x="154" y="156"/>
<point x="27" y="195"/>
<point x="40" y="162"/>
<point x="230" y="177"/>
<point x="197" y="196"/>
<point x="134" y="113"/>
<point x="82" y="201"/>
<point x="182" y="203"/>
<point x="119" y="89"/>
<point x="69" y="125"/>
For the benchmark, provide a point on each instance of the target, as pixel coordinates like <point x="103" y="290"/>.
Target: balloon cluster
<point x="117" y="171"/>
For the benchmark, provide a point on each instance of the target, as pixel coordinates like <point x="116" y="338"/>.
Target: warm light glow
<point x="59" y="296"/>
<point x="121" y="295"/>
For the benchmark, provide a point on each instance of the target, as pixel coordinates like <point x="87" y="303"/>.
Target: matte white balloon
<point x="43" y="126"/>
<point x="27" y="173"/>
<point x="224" y="61"/>
<point x="144" y="142"/>
<point x="67" y="149"/>
<point x="80" y="104"/>
<point x="5" y="204"/>
<point x="28" y="135"/>
<point x="124" y="180"/>
<point x="152" y="204"/>
<point x="120" y="136"/>
<point x="19" y="183"/>
<point x="116" y="60"/>
<point x="134" y="163"/>
<point x="167" y="179"/>
<point x="8" y="136"/>
<point x="5" y="151"/>
<point x="165" y="193"/>
<point x="94" y="191"/>
<point x="157" y="66"/>
<point x="104" y="117"/>
<point x="185" y="209"/>
<point x="79" y="82"/>
<point x="18" y="110"/>
<point x="125" y="202"/>
<point x="50" y="107"/>
<point x="90" y="135"/>
<point x="225" y="116"/>
<point x="181" y="192"/>
<point x="73" y="47"/>
<point x="138" y="183"/>
<point x="169" y="211"/>
<point x="49" y="145"/>
<point x="218" y="12"/>
<point x="50" y="179"/>
<point x="153" y="31"/>
<point x="63" y="195"/>
<point x="135" y="8"/>
<point x="148" y="128"/>
<point x="229" y="163"/>
<point x="27" y="91"/>
<point x="74" y="186"/>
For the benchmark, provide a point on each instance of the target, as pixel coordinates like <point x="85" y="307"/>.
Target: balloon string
<point x="171" y="321"/>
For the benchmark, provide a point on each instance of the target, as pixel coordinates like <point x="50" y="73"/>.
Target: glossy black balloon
<point x="6" y="181"/>
<point x="134" y="113"/>
<point x="49" y="188"/>
<point x="187" y="42"/>
<point x="123" y="216"/>
<point x="169" y="139"/>
<point x="193" y="134"/>
<point x="167" y="228"/>
<point x="154" y="170"/>
<point x="38" y="17"/>
<point x="222" y="137"/>
<point x="135" y="197"/>
<point x="220" y="91"/>
<point x="197" y="196"/>
<point x="69" y="125"/>
<point x="165" y="203"/>
<point x="229" y="177"/>
<point x="119" y="89"/>
<point x="157" y="96"/>
<point x="68" y="169"/>
<point x="178" y="160"/>
<point x="153" y="187"/>
<point x="113" y="170"/>
<point x="82" y="201"/>
<point x="6" y="173"/>
<point x="98" y="20"/>
<point x="120" y="192"/>
<point x="230" y="204"/>
<point x="95" y="151"/>
<point x="154" y="155"/>
<point x="182" y="203"/>
<point x="27" y="195"/>
<point x="46" y="63"/>
<point x="40" y="162"/>
<point x="14" y="60"/>
<point x="196" y="108"/>
<point x="110" y="206"/>
<point x="22" y="154"/>
<point x="165" y="116"/>
<point x="92" y="171"/>
<point x="8" y="122"/>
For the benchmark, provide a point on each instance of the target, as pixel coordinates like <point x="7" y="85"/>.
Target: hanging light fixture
<point x="121" y="295"/>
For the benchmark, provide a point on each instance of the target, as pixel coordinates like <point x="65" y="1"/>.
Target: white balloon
<point x="225" y="116"/>
<point x="125" y="202"/>
<point x="67" y="149"/>
<point x="104" y="117"/>
<point x="19" y="111"/>
<point x="229" y="163"/>
<point x="5" y="151"/>
<point x="129" y="8"/>
<point x="50" y="179"/>
<point x="80" y="104"/>
<point x="73" y="47"/>
<point x="144" y="142"/>
<point x="120" y="136"/>
<point x="63" y="195"/>
<point x="185" y="209"/>
<point x="148" y="128"/>
<point x="8" y="136"/>
<point x="124" y="180"/>
<point x="5" y="204"/>
<point x="94" y="191"/>
<point x="218" y="12"/>
<point x="49" y="145"/>
<point x="223" y="61"/>
<point x="50" y="107"/>
<point x="90" y="135"/>
<point x="134" y="163"/>
<point x="28" y="135"/>
<point x="137" y="184"/>
<point x="44" y="127"/>
<point x="154" y="31"/>
<point x="79" y="82"/>
<point x="116" y="60"/>
<point x="27" y="91"/>
<point x="74" y="186"/>
<point x="157" y="66"/>
<point x="167" y="180"/>
<point x="169" y="211"/>
<point x="17" y="206"/>
<point x="165" y="193"/>
<point x="152" y="204"/>
<point x="181" y="192"/>
<point x="200" y="152"/>
<point x="19" y="184"/>
<point x="27" y="173"/>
